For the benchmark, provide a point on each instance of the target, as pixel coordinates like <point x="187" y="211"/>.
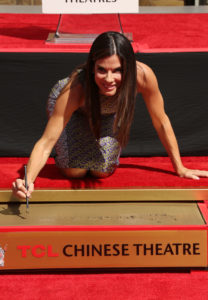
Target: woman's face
<point x="108" y="75"/>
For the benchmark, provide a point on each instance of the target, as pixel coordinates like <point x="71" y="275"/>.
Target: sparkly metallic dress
<point x="77" y="146"/>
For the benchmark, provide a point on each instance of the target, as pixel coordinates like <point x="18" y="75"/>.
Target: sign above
<point x="89" y="6"/>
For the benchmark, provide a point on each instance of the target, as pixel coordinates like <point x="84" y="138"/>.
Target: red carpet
<point x="132" y="172"/>
<point x="151" y="32"/>
<point x="127" y="286"/>
<point x="108" y="286"/>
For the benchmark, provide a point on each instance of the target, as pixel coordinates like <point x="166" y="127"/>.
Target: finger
<point x="15" y="188"/>
<point x="30" y="189"/>
<point x="195" y="177"/>
<point x="28" y="194"/>
<point x="20" y="194"/>
<point x="20" y="185"/>
<point x="14" y="185"/>
<point x="19" y="189"/>
<point x="200" y="173"/>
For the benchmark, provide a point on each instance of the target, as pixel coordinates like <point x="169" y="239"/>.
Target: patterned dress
<point x="77" y="146"/>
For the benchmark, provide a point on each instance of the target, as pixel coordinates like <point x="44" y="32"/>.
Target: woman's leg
<point x="73" y="172"/>
<point x="98" y="174"/>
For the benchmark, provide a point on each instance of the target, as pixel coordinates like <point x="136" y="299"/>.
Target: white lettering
<point x="89" y="6"/>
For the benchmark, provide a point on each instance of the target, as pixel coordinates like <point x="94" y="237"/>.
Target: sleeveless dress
<point x="77" y="146"/>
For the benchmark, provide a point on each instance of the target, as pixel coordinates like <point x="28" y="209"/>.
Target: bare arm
<point x="148" y="86"/>
<point x="69" y="101"/>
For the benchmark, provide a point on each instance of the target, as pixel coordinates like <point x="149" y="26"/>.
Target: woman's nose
<point x="109" y="77"/>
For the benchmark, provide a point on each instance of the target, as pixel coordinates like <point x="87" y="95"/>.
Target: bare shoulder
<point x="73" y="91"/>
<point x="146" y="79"/>
<point x="71" y="97"/>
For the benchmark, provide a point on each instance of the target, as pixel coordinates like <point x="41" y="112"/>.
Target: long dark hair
<point x="105" y="45"/>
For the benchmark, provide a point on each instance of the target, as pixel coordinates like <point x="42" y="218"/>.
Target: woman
<point x="91" y="112"/>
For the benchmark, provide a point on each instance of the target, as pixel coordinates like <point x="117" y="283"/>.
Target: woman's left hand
<point x="192" y="174"/>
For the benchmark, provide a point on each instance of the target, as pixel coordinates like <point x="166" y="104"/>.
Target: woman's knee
<point x="73" y="172"/>
<point x="98" y="174"/>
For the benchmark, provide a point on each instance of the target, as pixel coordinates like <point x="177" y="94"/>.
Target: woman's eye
<point x="101" y="70"/>
<point x="119" y="70"/>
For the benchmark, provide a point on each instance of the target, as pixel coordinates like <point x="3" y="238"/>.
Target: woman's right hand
<point x="19" y="189"/>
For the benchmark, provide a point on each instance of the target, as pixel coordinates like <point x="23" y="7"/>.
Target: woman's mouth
<point x="109" y="87"/>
